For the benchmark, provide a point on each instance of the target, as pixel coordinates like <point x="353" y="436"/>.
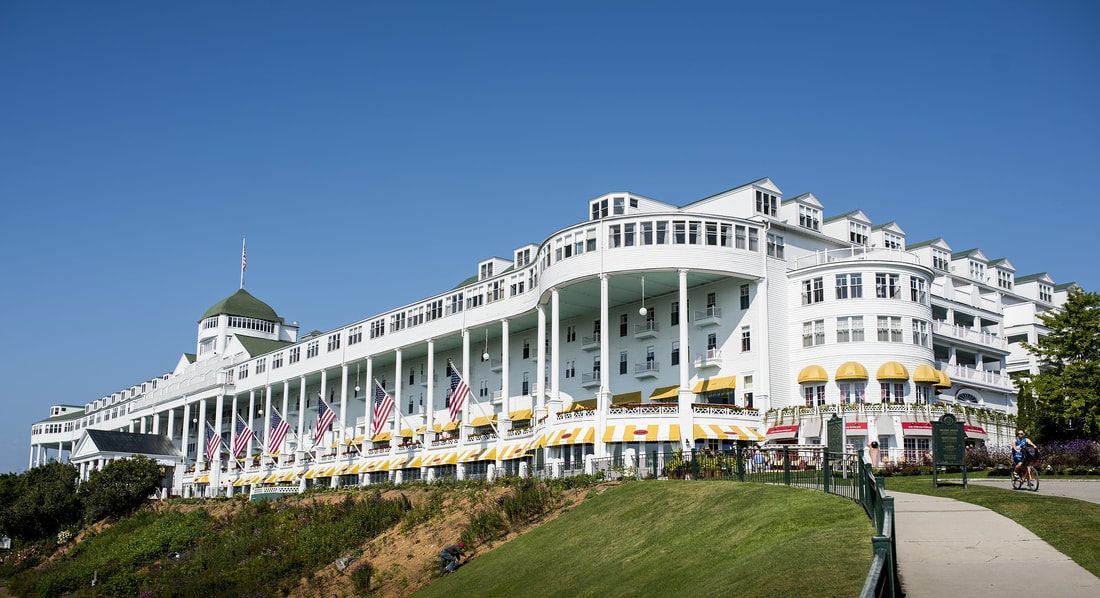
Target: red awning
<point x="855" y="428"/>
<point x="781" y="433"/>
<point x="916" y="428"/>
<point x="975" y="432"/>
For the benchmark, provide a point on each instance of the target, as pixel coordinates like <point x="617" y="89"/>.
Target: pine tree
<point x="1063" y="400"/>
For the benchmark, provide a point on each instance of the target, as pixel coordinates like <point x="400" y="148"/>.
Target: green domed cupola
<point x="244" y="304"/>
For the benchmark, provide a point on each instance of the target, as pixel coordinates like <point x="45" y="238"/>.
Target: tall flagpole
<point x="243" y="262"/>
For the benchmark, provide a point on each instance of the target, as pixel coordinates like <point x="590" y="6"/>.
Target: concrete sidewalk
<point x="1087" y="490"/>
<point x="952" y="548"/>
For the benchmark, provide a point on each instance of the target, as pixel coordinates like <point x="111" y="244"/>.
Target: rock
<point x="343" y="562"/>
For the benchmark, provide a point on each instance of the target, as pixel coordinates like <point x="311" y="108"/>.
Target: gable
<point x="892" y="227"/>
<point x="807" y="199"/>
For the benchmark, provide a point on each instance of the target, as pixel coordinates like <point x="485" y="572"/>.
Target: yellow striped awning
<point x="540" y="442"/>
<point x="239" y="482"/>
<point x="642" y="433"/>
<point x="925" y="373"/>
<point x="468" y="455"/>
<point x="726" y="432"/>
<point x="377" y="465"/>
<point x="397" y="463"/>
<point x="892" y="370"/>
<point x="626" y="397"/>
<point x="382" y="437"/>
<point x="271" y="479"/>
<point x="415" y="463"/>
<point x="851" y="370"/>
<point x="581" y="435"/>
<point x="342" y="469"/>
<point x="422" y="429"/>
<point x="490" y="454"/>
<point x="517" y="450"/>
<point x="450" y="426"/>
<point x="715" y="384"/>
<point x="588" y="405"/>
<point x="357" y="440"/>
<point x="202" y="479"/>
<point x="520" y="415"/>
<point x="442" y="459"/>
<point x="483" y="420"/>
<point x="945" y="380"/>
<point x="665" y="393"/>
<point x="310" y="473"/>
<point x="437" y="427"/>
<point x="406" y="432"/>
<point x="813" y="373"/>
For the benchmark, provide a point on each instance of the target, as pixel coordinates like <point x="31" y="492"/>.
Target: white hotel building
<point x="761" y="318"/>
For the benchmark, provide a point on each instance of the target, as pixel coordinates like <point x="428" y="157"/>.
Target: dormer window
<point x="486" y="271"/>
<point x="858" y="232"/>
<point x="977" y="271"/>
<point x="767" y="204"/>
<point x="891" y="240"/>
<point x="619" y="206"/>
<point x="809" y="217"/>
<point x="1046" y="293"/>
<point x="1004" y="279"/>
<point x="940" y="260"/>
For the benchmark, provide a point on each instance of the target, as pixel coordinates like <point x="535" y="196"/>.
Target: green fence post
<point x="787" y="466"/>
<point x="694" y="465"/>
<point x="826" y="471"/>
<point x="740" y="463"/>
<point x="861" y="488"/>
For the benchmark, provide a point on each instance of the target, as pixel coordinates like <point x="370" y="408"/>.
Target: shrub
<point x="120" y="487"/>
<point x="39" y="502"/>
<point x="360" y="577"/>
<point x="526" y="501"/>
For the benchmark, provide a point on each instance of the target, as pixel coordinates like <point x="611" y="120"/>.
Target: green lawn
<point x="682" y="538"/>
<point x="1069" y="525"/>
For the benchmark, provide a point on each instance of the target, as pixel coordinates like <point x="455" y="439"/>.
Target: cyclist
<point x="1020" y="455"/>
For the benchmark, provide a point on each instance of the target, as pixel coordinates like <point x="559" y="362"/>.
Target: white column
<point x="200" y="434"/>
<point x="685" y="396"/>
<point x="301" y="445"/>
<point x="219" y="410"/>
<point x="30" y="458"/>
<point x="185" y="428"/>
<point x="156" y="423"/>
<point x="470" y="383"/>
<point x="505" y="362"/>
<point x="343" y="404"/>
<point x="171" y="428"/>
<point x="141" y="425"/>
<point x="324" y="387"/>
<point x="540" y="374"/>
<point x="286" y="415"/>
<point x="233" y="431"/>
<point x="267" y="420"/>
<point x="367" y="433"/>
<point x="429" y="400"/>
<point x="131" y="426"/>
<point x="603" y="398"/>
<point x="395" y="424"/>
<point x="555" y="353"/>
<point x="251" y="424"/>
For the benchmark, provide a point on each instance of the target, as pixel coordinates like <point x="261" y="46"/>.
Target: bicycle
<point x="1032" y="481"/>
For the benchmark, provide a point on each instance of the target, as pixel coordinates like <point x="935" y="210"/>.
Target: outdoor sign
<point x="948" y="446"/>
<point x="856" y="427"/>
<point x="835" y="434"/>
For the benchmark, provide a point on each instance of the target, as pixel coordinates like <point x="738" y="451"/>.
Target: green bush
<point x="527" y="500"/>
<point x="39" y="502"/>
<point x="120" y="487"/>
<point x="360" y="577"/>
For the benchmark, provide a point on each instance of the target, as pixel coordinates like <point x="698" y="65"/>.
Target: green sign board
<point x="835" y="434"/>
<point x="948" y="446"/>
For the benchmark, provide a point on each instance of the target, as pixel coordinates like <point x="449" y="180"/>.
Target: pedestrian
<point x="873" y="454"/>
<point x="449" y="556"/>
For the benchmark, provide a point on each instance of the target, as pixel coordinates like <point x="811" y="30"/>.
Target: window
<point x="744" y="296"/>
<point x="712" y="342"/>
<point x="251" y="324"/>
<point x="623" y="324"/>
<point x="312" y="348"/>
<point x="333" y="342"/>
<point x="813" y="333"/>
<point x="647" y="233"/>
<point x="813" y="290"/>
<point x="435" y="309"/>
<point x="891" y="240"/>
<point x="712" y="233"/>
<point x="570" y="333"/>
<point x="596" y="366"/>
<point x="486" y="271"/>
<point x="622" y="362"/>
<point x="614" y="235"/>
<point x="852" y="393"/>
<point x="889" y="329"/>
<point x="679" y="232"/>
<point x="596" y="327"/>
<point x="810" y="392"/>
<point x="746" y="338"/>
<point x="940" y="260"/>
<point x="849" y="329"/>
<point x="892" y="392"/>
<point x="209" y="323"/>
<point x="525" y="386"/>
<point x="377" y="328"/>
<point x="725" y="235"/>
<point x="1004" y="279"/>
<point x="483" y="388"/>
<point x="1046" y="293"/>
<point x="662" y="232"/>
<point x="397" y="322"/>
<point x="675" y="313"/>
<point x="571" y="368"/>
<point x="849" y="286"/>
<point x="674" y="358"/>
<point x="977" y="271"/>
<point x="767" y="204"/>
<point x="693" y="233"/>
<point x="295" y="354"/>
<point x="754" y="239"/>
<point x="276" y="361"/>
<point x="923" y="392"/>
<point x="242" y="372"/>
<point x="858" y="232"/>
<point x="618" y="206"/>
<point x="886" y="286"/>
<point x="920" y="333"/>
<point x="775" y="245"/>
<point x="355" y="335"/>
<point x="809" y="217"/>
<point x="918" y="290"/>
<point x="628" y="235"/>
<point x="740" y="237"/>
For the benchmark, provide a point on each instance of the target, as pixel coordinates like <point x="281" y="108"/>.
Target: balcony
<point x="711" y="359"/>
<point x="644" y="409"/>
<point x="590" y="343"/>
<point x="647" y="369"/>
<point x="590" y="380"/>
<point x="496" y="364"/>
<point x="857" y="253"/>
<point x="711" y="316"/>
<point x="647" y="330"/>
<point x="995" y="379"/>
<point x="498" y="396"/>
<point x="970" y="335"/>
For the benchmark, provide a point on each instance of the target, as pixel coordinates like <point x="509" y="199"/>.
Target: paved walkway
<point x="952" y="548"/>
<point x="1087" y="490"/>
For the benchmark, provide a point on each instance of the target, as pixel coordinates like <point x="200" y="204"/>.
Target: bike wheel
<point x="1017" y="482"/>
<point x="1034" y="483"/>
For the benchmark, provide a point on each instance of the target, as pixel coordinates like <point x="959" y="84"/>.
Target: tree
<point x="39" y="502"/>
<point x="1063" y="400"/>
<point x="120" y="487"/>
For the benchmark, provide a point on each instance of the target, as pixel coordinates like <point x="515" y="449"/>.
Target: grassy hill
<point x="681" y="538"/>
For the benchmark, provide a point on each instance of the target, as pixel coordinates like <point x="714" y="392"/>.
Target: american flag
<point x="244" y="261"/>
<point x="213" y="442"/>
<point x="279" y="429"/>
<point x="244" y="435"/>
<point x="459" y="390"/>
<point x="383" y="408"/>
<point x="325" y="415"/>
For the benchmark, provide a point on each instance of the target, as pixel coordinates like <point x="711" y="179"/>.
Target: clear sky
<point x="373" y="152"/>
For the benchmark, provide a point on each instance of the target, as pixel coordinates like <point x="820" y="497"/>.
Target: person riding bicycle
<point x="448" y="557"/>
<point x="1023" y="452"/>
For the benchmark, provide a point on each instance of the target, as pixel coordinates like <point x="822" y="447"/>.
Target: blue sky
<point x="372" y="153"/>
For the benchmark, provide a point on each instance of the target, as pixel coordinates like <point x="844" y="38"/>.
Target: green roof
<point x="1065" y="285"/>
<point x="63" y="417"/>
<point x="243" y="304"/>
<point x="190" y="357"/>
<point x="923" y="243"/>
<point x="258" y="346"/>
<point x="839" y="216"/>
<point x="1031" y="277"/>
<point x="469" y="281"/>
<point x="884" y="225"/>
<point x="963" y="253"/>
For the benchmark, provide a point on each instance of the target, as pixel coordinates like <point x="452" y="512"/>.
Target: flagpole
<point x="242" y="262"/>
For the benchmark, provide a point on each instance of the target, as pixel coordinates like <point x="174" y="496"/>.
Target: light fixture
<point x="642" y="310"/>
<point x="357" y="379"/>
<point x="485" y="355"/>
